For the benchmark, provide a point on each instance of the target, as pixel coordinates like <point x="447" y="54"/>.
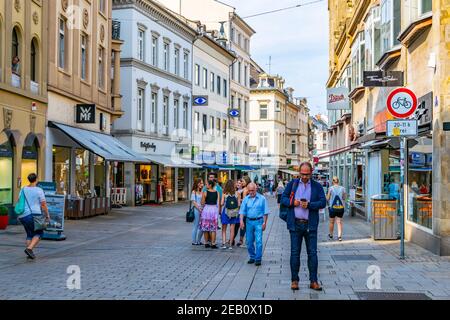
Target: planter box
<point x="87" y="203"/>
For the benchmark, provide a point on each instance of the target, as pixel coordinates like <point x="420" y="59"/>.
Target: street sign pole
<point x="402" y="190"/>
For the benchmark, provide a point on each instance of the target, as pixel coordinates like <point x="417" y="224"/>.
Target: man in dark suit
<point x="304" y="198"/>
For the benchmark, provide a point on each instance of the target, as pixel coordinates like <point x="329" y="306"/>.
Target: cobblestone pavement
<point x="146" y="253"/>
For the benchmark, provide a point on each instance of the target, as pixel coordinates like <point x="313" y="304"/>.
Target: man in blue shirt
<point x="255" y="209"/>
<point x="212" y="176"/>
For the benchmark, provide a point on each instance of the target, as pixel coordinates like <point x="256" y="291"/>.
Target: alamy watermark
<point x="374" y="280"/>
<point x="74" y="280"/>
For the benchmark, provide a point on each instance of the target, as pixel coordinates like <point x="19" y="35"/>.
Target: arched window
<point x="34" y="60"/>
<point x="239" y="147"/>
<point x="15" y="52"/>
<point x="245" y="147"/>
<point x="233" y="147"/>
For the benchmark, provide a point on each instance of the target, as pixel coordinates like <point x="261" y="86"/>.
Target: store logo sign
<point x="85" y="113"/>
<point x="147" y="145"/>
<point x="200" y="100"/>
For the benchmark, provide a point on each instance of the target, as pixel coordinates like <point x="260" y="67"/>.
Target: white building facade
<point x="156" y="85"/>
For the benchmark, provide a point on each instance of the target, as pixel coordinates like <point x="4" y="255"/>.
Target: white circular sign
<point x="402" y="103"/>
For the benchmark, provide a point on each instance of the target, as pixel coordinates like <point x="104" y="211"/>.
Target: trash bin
<point x="384" y="217"/>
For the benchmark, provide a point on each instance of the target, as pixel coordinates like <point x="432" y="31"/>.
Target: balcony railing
<point x="16" y="80"/>
<point x="115" y="30"/>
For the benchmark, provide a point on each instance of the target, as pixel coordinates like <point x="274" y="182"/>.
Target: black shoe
<point x="251" y="261"/>
<point x="207" y="245"/>
<point x="30" y="253"/>
<point x="214" y="246"/>
<point x="330" y="236"/>
<point x="257" y="263"/>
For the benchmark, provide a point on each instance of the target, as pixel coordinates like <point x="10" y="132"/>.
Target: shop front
<point x="6" y="169"/>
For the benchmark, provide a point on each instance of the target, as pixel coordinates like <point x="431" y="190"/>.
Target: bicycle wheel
<point x="396" y="105"/>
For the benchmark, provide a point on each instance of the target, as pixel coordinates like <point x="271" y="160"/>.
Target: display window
<point x="61" y="169"/>
<point x="168" y="184"/>
<point x="420" y="174"/>
<point x="99" y="176"/>
<point x="82" y="184"/>
<point x="182" y="184"/>
<point x="146" y="184"/>
<point x="6" y="176"/>
<point x="29" y="162"/>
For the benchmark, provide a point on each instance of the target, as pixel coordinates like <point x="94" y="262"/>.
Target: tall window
<point x="84" y="51"/>
<point x="197" y="74"/>
<point x="239" y="72"/>
<point x="33" y="61"/>
<point x="141" y="44"/>
<point x="425" y="6"/>
<point x="205" y="78"/>
<point x="154" y="111"/>
<point x="293" y="147"/>
<point x="218" y="127"/>
<point x="140" y="109"/>
<point x="211" y="125"/>
<point x="212" y="79"/>
<point x="232" y="101"/>
<point x="62" y="44"/>
<point x="197" y="122"/>
<point x="177" y="61"/>
<point x="166" y="56"/>
<point x="239" y="107"/>
<point x="185" y="115"/>
<point x="186" y="65"/>
<point x="218" y="85"/>
<point x="245" y="111"/>
<point x="225" y="90"/>
<point x="155" y="51"/>
<point x="176" y="110"/>
<point x="205" y="123"/>
<point x="101" y="67"/>
<point x="224" y="128"/>
<point x="102" y="6"/>
<point x="232" y="71"/>
<point x="390" y="23"/>
<point x="245" y="75"/>
<point x="264" y="139"/>
<point x="263" y="112"/>
<point x="232" y="34"/>
<point x="166" y="115"/>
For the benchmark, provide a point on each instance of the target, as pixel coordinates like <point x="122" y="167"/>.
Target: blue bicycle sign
<point x="401" y="102"/>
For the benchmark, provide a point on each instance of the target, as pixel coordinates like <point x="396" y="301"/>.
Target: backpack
<point x="231" y="206"/>
<point x="337" y="206"/>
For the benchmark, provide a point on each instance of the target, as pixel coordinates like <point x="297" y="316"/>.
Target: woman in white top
<point x="34" y="205"/>
<point x="336" y="197"/>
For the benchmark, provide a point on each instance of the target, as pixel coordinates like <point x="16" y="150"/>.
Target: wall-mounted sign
<point x="424" y="111"/>
<point x="402" y="103"/>
<point x="208" y="157"/>
<point x="383" y="79"/>
<point x="234" y="113"/>
<point x="148" y="145"/>
<point x="401" y="128"/>
<point x="200" y="100"/>
<point x="222" y="157"/>
<point x="337" y="98"/>
<point x="85" y="113"/>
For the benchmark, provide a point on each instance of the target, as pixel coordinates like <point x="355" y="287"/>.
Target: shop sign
<point x="222" y="157"/>
<point x="200" y="100"/>
<point x="85" y="113"/>
<point x="208" y="157"/>
<point x="424" y="111"/>
<point x="402" y="103"/>
<point x="5" y="151"/>
<point x="383" y="79"/>
<point x="148" y="145"/>
<point x="417" y="158"/>
<point x="337" y="98"/>
<point x="401" y="128"/>
<point x="47" y="186"/>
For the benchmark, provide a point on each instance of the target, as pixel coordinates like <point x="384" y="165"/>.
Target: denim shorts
<point x="28" y="224"/>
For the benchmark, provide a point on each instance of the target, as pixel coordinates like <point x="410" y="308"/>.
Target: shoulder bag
<point x="39" y="220"/>
<point x="190" y="215"/>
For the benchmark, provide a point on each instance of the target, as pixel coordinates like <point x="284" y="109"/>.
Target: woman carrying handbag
<point x="30" y="214"/>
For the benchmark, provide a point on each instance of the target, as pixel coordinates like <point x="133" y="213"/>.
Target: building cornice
<point x="242" y="24"/>
<point x="415" y="29"/>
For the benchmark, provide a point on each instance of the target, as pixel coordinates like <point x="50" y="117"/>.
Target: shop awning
<point x="291" y="172"/>
<point x="103" y="145"/>
<point x="171" y="161"/>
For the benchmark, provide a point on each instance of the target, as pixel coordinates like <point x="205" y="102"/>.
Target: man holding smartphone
<point x="304" y="198"/>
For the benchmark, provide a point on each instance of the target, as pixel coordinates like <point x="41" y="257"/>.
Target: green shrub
<point x="3" y="211"/>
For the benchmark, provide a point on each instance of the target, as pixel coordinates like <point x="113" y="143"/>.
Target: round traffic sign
<point x="402" y="103"/>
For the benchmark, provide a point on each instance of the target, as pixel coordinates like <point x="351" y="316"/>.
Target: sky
<point x="297" y="41"/>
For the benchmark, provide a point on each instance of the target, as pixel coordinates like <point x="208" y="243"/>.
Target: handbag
<point x="190" y="215"/>
<point x="39" y="220"/>
<point x="19" y="208"/>
<point x="283" y="209"/>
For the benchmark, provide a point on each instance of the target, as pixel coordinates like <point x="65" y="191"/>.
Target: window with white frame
<point x="197" y="122"/>
<point x="358" y="60"/>
<point x="205" y="124"/>
<point x="197" y="74"/>
<point x="205" y="78"/>
<point x="154" y="112"/>
<point x="101" y="67"/>
<point x="62" y="43"/>
<point x="140" y="109"/>
<point x="141" y="44"/>
<point x="372" y="35"/>
<point x="239" y="72"/>
<point x="390" y="24"/>
<point x="218" y="85"/>
<point x="186" y="65"/>
<point x="218" y="127"/>
<point x="154" y="51"/>
<point x="212" y="79"/>
<point x="415" y="9"/>
<point x="263" y="111"/>
<point x="293" y="147"/>
<point x="211" y="125"/>
<point x="425" y="6"/>
<point x="185" y="115"/>
<point x="166" y="56"/>
<point x="176" y="110"/>
<point x="177" y="61"/>
<point x="225" y="88"/>
<point x="84" y="57"/>
<point x="264" y="139"/>
<point x="166" y="115"/>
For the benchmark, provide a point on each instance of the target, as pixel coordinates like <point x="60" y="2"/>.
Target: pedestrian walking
<point x="280" y="190"/>
<point x="254" y="207"/>
<point x="196" y="198"/>
<point x="230" y="213"/>
<point x="34" y="207"/>
<point x="245" y="181"/>
<point x="336" y="196"/>
<point x="210" y="214"/>
<point x="304" y="198"/>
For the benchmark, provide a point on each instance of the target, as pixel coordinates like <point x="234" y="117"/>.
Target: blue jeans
<point x="254" y="235"/>
<point x="196" y="232"/>
<point x="301" y="231"/>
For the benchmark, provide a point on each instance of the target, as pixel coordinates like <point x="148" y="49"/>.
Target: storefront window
<point x="391" y="182"/>
<point x="61" y="169"/>
<point x="182" y="184"/>
<point x="29" y="162"/>
<point x="6" y="169"/>
<point x="82" y="185"/>
<point x="420" y="167"/>
<point x="168" y="184"/>
<point x="99" y="176"/>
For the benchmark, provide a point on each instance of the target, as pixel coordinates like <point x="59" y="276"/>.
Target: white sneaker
<point x="223" y="246"/>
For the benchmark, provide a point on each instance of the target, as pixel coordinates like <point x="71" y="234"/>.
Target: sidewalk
<point x="146" y="253"/>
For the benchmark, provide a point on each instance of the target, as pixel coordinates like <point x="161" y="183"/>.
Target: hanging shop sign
<point x="337" y="99"/>
<point x="383" y="79"/>
<point x="85" y="113"/>
<point x="222" y="157"/>
<point x="424" y="111"/>
<point x="401" y="128"/>
<point x="402" y="103"/>
<point x="200" y="100"/>
<point x="234" y="113"/>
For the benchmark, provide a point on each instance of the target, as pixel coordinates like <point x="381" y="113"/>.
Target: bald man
<point x="255" y="209"/>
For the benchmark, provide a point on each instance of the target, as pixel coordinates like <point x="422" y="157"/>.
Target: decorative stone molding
<point x="142" y="26"/>
<point x="155" y="34"/>
<point x="35" y="18"/>
<point x="155" y="87"/>
<point x="7" y="118"/>
<point x="141" y="82"/>
<point x="166" y="91"/>
<point x="102" y="33"/>
<point x="32" y="123"/>
<point x="186" y="51"/>
<point x="186" y="97"/>
<point x="17" y="5"/>
<point x="177" y="46"/>
<point x="176" y="94"/>
<point x="64" y="5"/>
<point x="85" y="18"/>
<point x="166" y="40"/>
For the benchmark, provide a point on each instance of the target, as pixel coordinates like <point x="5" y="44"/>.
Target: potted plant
<point x="3" y="217"/>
